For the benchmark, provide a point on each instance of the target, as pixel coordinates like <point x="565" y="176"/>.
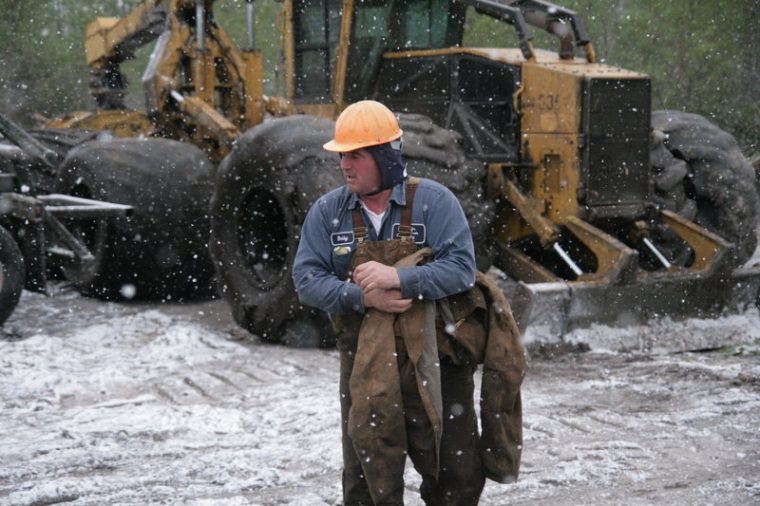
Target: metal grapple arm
<point x="32" y="148"/>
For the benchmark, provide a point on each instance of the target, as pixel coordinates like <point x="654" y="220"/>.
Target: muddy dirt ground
<point x="106" y="404"/>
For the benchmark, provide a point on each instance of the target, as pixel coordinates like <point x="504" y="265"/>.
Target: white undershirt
<point x="375" y="218"/>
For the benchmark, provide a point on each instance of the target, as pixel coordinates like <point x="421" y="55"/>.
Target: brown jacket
<point x="483" y="331"/>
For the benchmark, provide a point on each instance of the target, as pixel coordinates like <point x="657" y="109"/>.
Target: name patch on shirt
<point x="342" y="238"/>
<point x="419" y="232"/>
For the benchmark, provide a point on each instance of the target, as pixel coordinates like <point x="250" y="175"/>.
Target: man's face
<point x="360" y="171"/>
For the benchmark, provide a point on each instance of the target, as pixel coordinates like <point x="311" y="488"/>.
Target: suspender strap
<point x="360" y="231"/>
<point x="405" y="227"/>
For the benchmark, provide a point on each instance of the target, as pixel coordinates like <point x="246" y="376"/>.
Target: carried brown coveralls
<point x="399" y="398"/>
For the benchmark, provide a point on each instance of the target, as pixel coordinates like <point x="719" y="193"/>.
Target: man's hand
<point x="389" y="301"/>
<point x="376" y="276"/>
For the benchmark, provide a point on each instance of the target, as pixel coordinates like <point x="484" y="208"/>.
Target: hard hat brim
<point x="345" y="147"/>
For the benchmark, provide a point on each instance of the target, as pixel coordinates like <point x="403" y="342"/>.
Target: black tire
<point x="264" y="188"/>
<point x="161" y="251"/>
<point x="11" y="274"/>
<point x="435" y="153"/>
<point x="701" y="173"/>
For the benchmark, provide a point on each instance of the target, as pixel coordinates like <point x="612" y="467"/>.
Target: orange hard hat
<point x="363" y="124"/>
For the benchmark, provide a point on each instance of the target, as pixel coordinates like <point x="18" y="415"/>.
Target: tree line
<point x="703" y="56"/>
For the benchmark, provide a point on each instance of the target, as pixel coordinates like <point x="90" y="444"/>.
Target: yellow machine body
<point x="200" y="89"/>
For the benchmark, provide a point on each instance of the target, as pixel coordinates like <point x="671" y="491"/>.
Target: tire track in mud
<point x="653" y="448"/>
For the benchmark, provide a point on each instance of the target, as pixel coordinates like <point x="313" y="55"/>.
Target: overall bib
<point x="439" y="434"/>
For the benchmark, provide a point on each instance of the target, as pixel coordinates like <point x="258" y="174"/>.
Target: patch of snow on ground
<point x="128" y="404"/>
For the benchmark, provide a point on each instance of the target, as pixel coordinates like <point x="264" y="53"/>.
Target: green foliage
<point x="42" y="55"/>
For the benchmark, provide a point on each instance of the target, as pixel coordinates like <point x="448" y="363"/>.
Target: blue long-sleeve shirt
<point x="327" y="245"/>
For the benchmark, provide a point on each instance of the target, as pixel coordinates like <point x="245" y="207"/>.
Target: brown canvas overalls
<point x="383" y="357"/>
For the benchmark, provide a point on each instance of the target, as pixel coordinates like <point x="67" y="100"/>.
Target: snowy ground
<point x="133" y="404"/>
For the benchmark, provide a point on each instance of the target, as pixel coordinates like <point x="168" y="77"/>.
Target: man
<point x="356" y="260"/>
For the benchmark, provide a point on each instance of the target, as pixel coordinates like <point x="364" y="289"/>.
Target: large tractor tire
<point x="701" y="174"/>
<point x="264" y="188"/>
<point x="11" y="274"/>
<point x="160" y="252"/>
